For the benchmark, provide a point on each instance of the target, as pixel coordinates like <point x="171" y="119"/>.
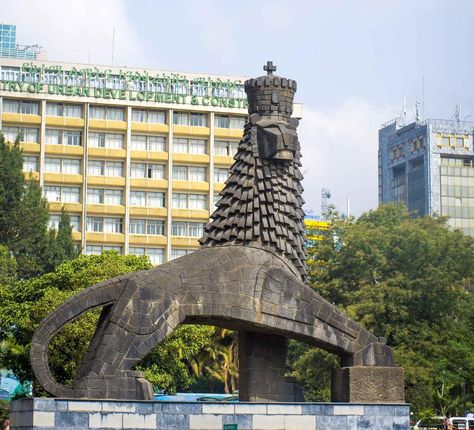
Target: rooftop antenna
<point x="403" y="113"/>
<point x="418" y="116"/>
<point x="113" y="44"/>
<point x="457" y="113"/>
<point x="325" y="196"/>
<point x="423" y="96"/>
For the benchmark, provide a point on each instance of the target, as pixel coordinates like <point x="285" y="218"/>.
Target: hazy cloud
<point x="77" y="30"/>
<point x="340" y="153"/>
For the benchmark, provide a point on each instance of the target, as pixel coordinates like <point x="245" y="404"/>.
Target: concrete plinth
<point x="63" y="414"/>
<point x="373" y="384"/>
<point x="262" y="365"/>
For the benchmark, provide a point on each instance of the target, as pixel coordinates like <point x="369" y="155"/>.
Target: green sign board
<point x="230" y="427"/>
<point x="167" y="88"/>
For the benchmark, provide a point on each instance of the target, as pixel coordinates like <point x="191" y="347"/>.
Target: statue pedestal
<point x="262" y="365"/>
<point x="65" y="414"/>
<point x="372" y="384"/>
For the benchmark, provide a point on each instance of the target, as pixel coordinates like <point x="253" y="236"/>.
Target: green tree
<point x="12" y="183"/>
<point x="409" y="280"/>
<point x="25" y="303"/>
<point x="29" y="241"/>
<point x="7" y="266"/>
<point x="24" y="218"/>
<point x="61" y="245"/>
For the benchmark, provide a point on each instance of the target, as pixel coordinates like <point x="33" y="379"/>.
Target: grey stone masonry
<point x="64" y="414"/>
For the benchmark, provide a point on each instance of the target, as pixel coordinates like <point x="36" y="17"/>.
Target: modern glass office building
<point x="9" y="47"/>
<point x="429" y="166"/>
<point x="137" y="157"/>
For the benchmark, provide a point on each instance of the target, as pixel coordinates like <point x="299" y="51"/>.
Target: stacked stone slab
<point x="46" y="414"/>
<point x="249" y="275"/>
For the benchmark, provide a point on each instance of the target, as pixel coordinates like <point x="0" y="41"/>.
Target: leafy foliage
<point x="24" y="219"/>
<point x="409" y="280"/>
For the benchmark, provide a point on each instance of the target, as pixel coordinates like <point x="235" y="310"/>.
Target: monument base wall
<point x="64" y="414"/>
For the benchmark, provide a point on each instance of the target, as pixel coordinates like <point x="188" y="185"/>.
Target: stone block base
<point x="368" y="384"/>
<point x="262" y="365"/>
<point x="46" y="414"/>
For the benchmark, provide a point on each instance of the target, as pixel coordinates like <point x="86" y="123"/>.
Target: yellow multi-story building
<point x="136" y="157"/>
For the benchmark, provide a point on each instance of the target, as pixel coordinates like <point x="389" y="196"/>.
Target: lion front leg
<point x="127" y="331"/>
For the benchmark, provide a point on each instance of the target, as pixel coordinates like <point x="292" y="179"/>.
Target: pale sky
<point x="354" y="61"/>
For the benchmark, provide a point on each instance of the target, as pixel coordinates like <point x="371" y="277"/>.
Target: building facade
<point x="136" y="157"/>
<point x="9" y="48"/>
<point x="429" y="166"/>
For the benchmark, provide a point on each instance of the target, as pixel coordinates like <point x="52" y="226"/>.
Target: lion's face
<point x="276" y="140"/>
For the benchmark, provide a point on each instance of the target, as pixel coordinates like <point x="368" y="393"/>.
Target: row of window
<point x="452" y="141"/>
<point x="193" y="119"/>
<point x="156" y="255"/>
<point x="70" y="194"/>
<point x="115" y="168"/>
<point x="141" y="226"/>
<point x="117" y="141"/>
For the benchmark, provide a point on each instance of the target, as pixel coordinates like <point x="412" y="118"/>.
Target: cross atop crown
<point x="269" y="68"/>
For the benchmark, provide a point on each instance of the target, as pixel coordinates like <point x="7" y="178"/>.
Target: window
<point x="11" y="106"/>
<point x="155" y="199"/>
<point x="180" y="118"/>
<point x="189" y="173"/>
<point x="72" y="111"/>
<point x="459" y="142"/>
<point x="155" y="227"/>
<point x="225" y="147"/>
<point x="113" y="168"/>
<point x="147" y="170"/>
<point x="96" y="168"/>
<point x="24" y="133"/>
<point x="189" y="201"/>
<point x="97" y="112"/>
<point x="71" y="194"/>
<point x="221" y="121"/>
<point x="226" y="121"/>
<point x="197" y="201"/>
<point x="63" y="137"/>
<point x="62" y="194"/>
<point x="106" y="225"/>
<point x="67" y="110"/>
<point x="156" y="255"/>
<point x="53" y="137"/>
<point x="198" y="119"/>
<point x="98" y="249"/>
<point x="30" y="163"/>
<point x="221" y="175"/>
<point x="183" y="228"/>
<point x="114" y="140"/>
<point x="113" y="225"/>
<point x="106" y="140"/>
<point x="445" y="141"/>
<point x="71" y="166"/>
<point x="149" y="116"/>
<point x="21" y="106"/>
<point x="105" y="168"/>
<point x="62" y="165"/>
<point x="176" y="253"/>
<point x="148" y="143"/>
<point x="137" y="226"/>
<point x="197" y="174"/>
<point x="197" y="146"/>
<point x="105" y="196"/>
<point x="138" y="198"/>
<point x="75" y="222"/>
<point x="97" y="140"/>
<point x="72" y="138"/>
<point x="116" y="114"/>
<point x="107" y="112"/>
